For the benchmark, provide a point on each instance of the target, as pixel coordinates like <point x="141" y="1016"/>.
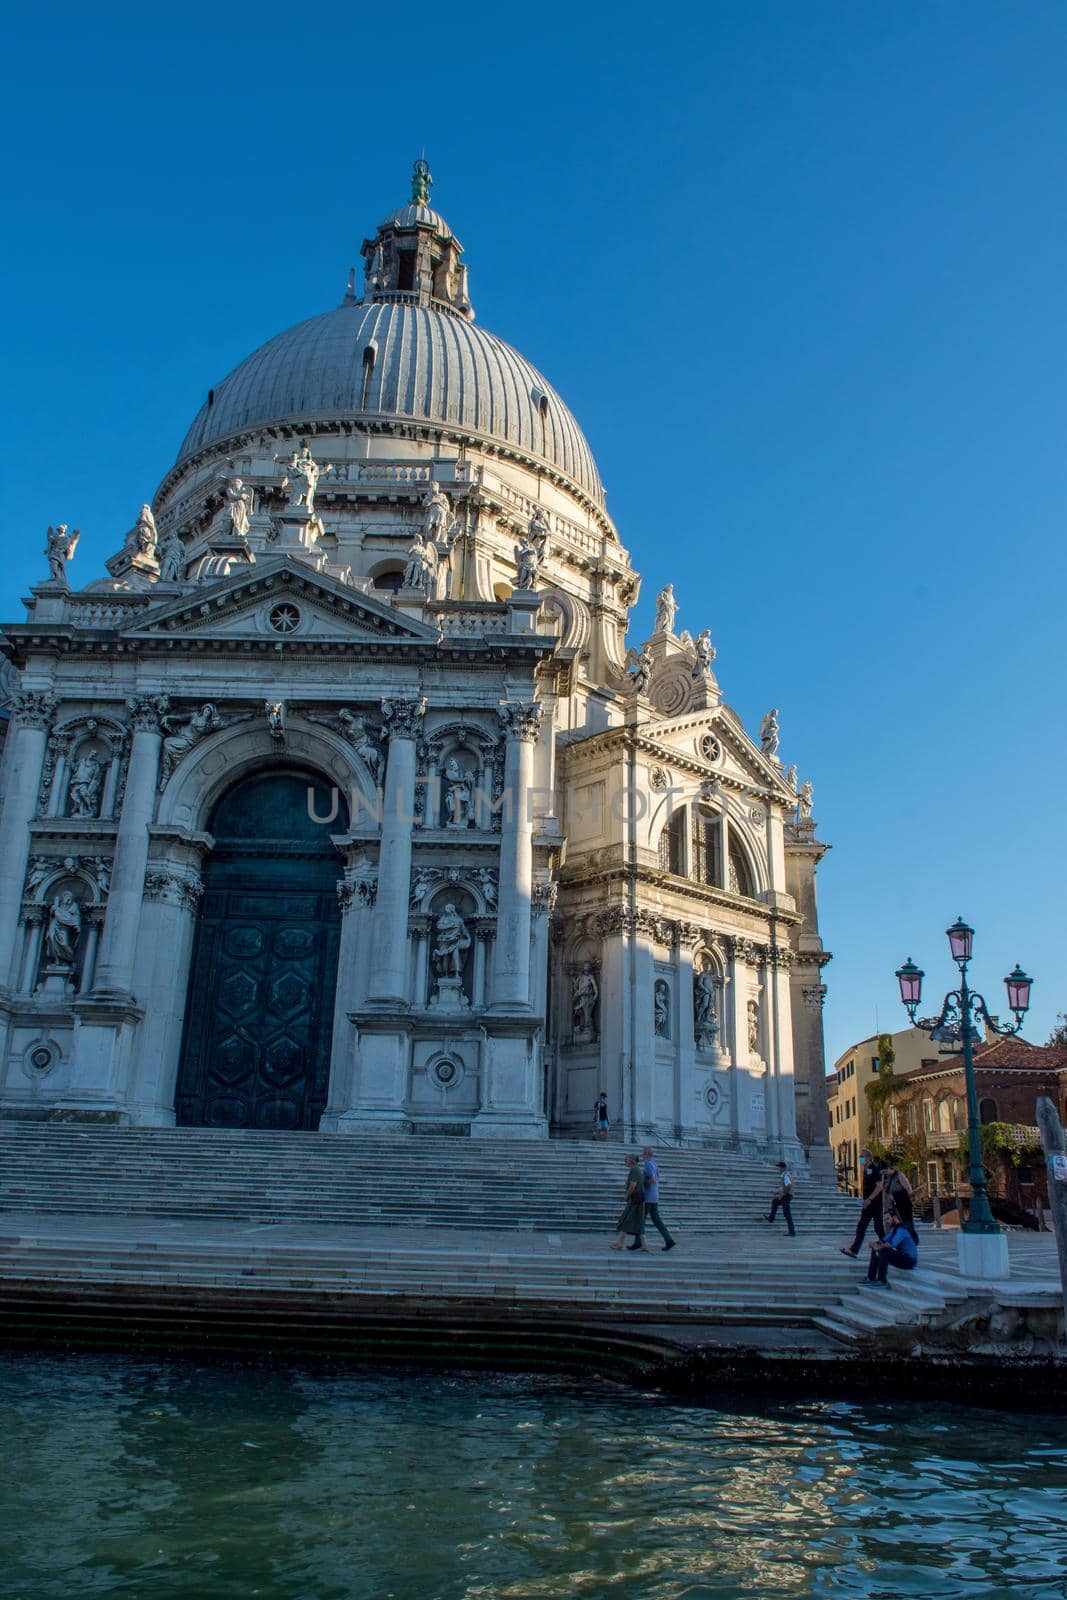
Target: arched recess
<point x="259" y="1010"/>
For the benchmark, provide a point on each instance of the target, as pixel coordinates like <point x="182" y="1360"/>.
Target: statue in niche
<point x="240" y="503"/>
<point x="661" y="1003"/>
<point x="805" y="800"/>
<point x="666" y="610"/>
<point x="182" y="734"/>
<point x="459" y="794"/>
<point x="768" y="734"/>
<point x="436" y="515"/>
<point x="537" y="534"/>
<point x="705" y="654"/>
<point x="585" y="992"/>
<point x="302" y="473"/>
<point x="451" y="943"/>
<point x="705" y="1011"/>
<point x="527" y="562"/>
<point x="63" y="930"/>
<point x="172" y="559"/>
<point x="363" y="741"/>
<point x="753" y="1026"/>
<point x="60" y="549"/>
<point x="86" y="782"/>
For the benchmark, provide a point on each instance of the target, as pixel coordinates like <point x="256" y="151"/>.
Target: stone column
<point x="32" y="717"/>
<point x="511" y="953"/>
<point x="31" y="947"/>
<point x="118" y="947"/>
<point x="171" y="898"/>
<point x="389" y="964"/>
<point x="779" y="1025"/>
<point x="685" y="1068"/>
<point x="60" y="745"/>
<point x="357" y="892"/>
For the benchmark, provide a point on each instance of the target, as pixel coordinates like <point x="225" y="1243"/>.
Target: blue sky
<point x="799" y="270"/>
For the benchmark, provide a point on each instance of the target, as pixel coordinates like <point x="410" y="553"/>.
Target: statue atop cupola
<point x="415" y="257"/>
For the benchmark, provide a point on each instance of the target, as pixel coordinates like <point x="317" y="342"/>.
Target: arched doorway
<point x="259" y="1012"/>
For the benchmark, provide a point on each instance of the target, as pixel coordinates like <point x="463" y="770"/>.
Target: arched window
<point x="705" y="864"/>
<point x="672" y="846"/>
<point x="391" y="581"/>
<point x="368" y="374"/>
<point x="944" y="1116"/>
<point x="987" y="1112"/>
<point x="740" y="881"/>
<point x="959" y="1118"/>
<point x="928" y="1116"/>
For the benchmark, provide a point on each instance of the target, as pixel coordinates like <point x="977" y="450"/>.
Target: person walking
<point x="896" y="1192"/>
<point x="650" y="1173"/>
<point x="600" y="1117"/>
<point x="783" y="1197"/>
<point x="870" y="1204"/>
<point x="897" y="1249"/>
<point x="632" y="1220"/>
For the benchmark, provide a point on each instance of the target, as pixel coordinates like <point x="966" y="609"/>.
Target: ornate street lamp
<point x="955" y="1025"/>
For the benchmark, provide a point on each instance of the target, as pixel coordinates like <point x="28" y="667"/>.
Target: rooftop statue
<point x="436" y="513"/>
<point x="421" y="564"/>
<point x="421" y="183"/>
<point x="142" y="537"/>
<point x="805" y="797"/>
<point x="705" y="654"/>
<point x="172" y="559"/>
<point x="640" y="663"/>
<point x="59" y="550"/>
<point x="666" y="610"/>
<point x="537" y="532"/>
<point x="527" y="561"/>
<point x="768" y="734"/>
<point x="301" y="478"/>
<point x="240" y="503"/>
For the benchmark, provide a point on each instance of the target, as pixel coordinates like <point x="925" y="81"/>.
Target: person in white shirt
<point x="783" y="1196"/>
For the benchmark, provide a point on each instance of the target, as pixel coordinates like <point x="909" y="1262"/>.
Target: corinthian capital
<point x="146" y="711"/>
<point x="522" y="718"/>
<point x="403" y="718"/>
<point x="33" y="710"/>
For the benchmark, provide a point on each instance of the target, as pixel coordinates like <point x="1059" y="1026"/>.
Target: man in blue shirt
<point x="651" y="1176"/>
<point x="897" y="1249"/>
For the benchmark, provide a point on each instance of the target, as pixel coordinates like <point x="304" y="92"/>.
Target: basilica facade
<point x="341" y="801"/>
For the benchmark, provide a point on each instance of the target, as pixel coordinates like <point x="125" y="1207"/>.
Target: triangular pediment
<point x="280" y="600"/>
<point x="732" y="754"/>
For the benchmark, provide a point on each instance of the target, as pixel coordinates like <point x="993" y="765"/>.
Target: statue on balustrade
<point x="59" y="550"/>
<point x="768" y="735"/>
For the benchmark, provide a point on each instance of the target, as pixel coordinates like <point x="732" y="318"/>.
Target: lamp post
<point x="956" y="1024"/>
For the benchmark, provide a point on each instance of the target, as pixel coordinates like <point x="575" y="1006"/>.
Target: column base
<point x="502" y="1125"/>
<point x="372" y="1124"/>
<point x="983" y="1255"/>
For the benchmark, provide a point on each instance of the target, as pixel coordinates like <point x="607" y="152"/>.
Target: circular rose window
<point x="285" y="618"/>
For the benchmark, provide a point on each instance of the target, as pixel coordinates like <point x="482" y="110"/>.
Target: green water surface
<point x="142" y="1478"/>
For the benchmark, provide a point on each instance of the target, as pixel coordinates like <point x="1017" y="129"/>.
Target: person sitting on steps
<point x="897" y="1249"/>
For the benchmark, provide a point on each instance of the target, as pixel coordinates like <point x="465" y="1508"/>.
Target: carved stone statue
<point x="85" y="784"/>
<point x="451" y="943"/>
<point x="705" y="1011"/>
<point x="666" y="610"/>
<point x="240" y="503"/>
<point x="661" y="1003"/>
<point x="459" y="794"/>
<point x="63" y="930"/>
<point x="641" y="664"/>
<point x="142" y="537"/>
<point x="705" y="654"/>
<point x="421" y="563"/>
<point x="172" y="559"/>
<point x="585" y="992"/>
<point x="805" y="798"/>
<point x="59" y="550"/>
<point x="753" y="1026"/>
<point x="421" y="180"/>
<point x="791" y="777"/>
<point x="527" y="561"/>
<point x="425" y="879"/>
<point x="537" y="533"/>
<point x="436" y="514"/>
<point x="275" y="710"/>
<point x="768" y="734"/>
<point x="182" y="734"/>
<point x="302" y="475"/>
<point x="363" y="741"/>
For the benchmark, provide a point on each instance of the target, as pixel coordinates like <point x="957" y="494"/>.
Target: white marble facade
<point x="561" y="865"/>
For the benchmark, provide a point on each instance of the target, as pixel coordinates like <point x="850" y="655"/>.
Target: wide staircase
<point x="426" y="1182"/>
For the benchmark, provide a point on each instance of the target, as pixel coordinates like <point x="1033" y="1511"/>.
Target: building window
<point x="672" y="846"/>
<point x="911" y="1120"/>
<point x="987" y="1111"/>
<point x="740" y="871"/>
<point x="405" y="277"/>
<point x="368" y="374"/>
<point x="928" y="1116"/>
<point x="944" y="1116"/>
<point x="707" y="850"/>
<point x="959" y="1121"/>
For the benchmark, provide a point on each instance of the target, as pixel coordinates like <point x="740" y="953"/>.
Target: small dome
<point x="400" y="362"/>
<point x="416" y="216"/>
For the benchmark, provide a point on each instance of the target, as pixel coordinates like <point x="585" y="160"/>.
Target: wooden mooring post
<point x="1048" y="1121"/>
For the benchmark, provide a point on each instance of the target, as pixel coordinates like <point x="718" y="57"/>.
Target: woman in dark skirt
<point x="632" y="1220"/>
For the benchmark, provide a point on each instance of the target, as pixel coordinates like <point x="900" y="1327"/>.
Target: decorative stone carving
<point x="585" y="993"/>
<point x="768" y="735"/>
<point x="753" y="1026"/>
<point x="240" y="506"/>
<point x="173" y="888"/>
<point x="86" y="782"/>
<point x="522" y="719"/>
<point x="403" y="718"/>
<point x="365" y="741"/>
<point x="421" y="567"/>
<point x="182" y="733"/>
<point x="659" y="778"/>
<point x="814" y="996"/>
<point x="640" y="665"/>
<point x="705" y="654"/>
<point x="537" y="531"/>
<point x="709" y="747"/>
<point x="661" y="1006"/>
<point x="746" y="950"/>
<point x="59" y="549"/>
<point x="275" y="710"/>
<point x="805" y="799"/>
<point x="544" y="898"/>
<point x="452" y="940"/>
<point x="426" y="879"/>
<point x="437" y="518"/>
<point x="33" y="710"/>
<point x="527" y="562"/>
<point x="790" y="778"/>
<point x="147" y="712"/>
<point x="780" y="956"/>
<point x="666" y="610"/>
<point x="63" y="930"/>
<point x="705" y="1009"/>
<point x="487" y="881"/>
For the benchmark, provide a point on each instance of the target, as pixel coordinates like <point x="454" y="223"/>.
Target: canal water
<point x="154" y="1479"/>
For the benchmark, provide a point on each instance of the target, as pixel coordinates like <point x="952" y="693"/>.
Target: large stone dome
<point x="392" y="358"/>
